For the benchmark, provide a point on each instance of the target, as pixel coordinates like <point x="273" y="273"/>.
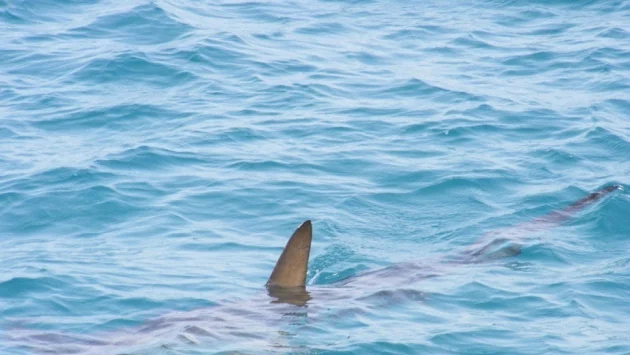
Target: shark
<point x="287" y="295"/>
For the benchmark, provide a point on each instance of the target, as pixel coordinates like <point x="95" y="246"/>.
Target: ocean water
<point x="156" y="155"/>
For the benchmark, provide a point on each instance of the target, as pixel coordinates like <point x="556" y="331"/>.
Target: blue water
<point x="156" y="155"/>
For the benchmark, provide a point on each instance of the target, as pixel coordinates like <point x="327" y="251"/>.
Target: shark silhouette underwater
<point x="287" y="295"/>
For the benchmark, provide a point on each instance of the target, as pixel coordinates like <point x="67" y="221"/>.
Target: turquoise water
<point x="156" y="156"/>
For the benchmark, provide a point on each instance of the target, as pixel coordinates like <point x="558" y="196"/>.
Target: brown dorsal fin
<point x="290" y="270"/>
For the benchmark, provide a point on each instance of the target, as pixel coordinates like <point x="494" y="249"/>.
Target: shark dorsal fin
<point x="290" y="270"/>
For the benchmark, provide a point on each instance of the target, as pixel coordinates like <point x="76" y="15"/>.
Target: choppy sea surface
<point x="156" y="155"/>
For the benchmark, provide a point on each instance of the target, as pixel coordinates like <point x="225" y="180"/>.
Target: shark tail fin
<point x="290" y="270"/>
<point x="559" y="216"/>
<point x="505" y="242"/>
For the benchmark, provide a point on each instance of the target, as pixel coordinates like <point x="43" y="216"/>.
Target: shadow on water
<point x="297" y="296"/>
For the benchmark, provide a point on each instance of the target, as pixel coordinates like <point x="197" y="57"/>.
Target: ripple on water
<point x="141" y="25"/>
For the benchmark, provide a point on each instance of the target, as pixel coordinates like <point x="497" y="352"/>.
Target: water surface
<point x="156" y="155"/>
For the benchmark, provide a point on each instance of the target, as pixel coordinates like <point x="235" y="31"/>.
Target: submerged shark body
<point x="255" y="323"/>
